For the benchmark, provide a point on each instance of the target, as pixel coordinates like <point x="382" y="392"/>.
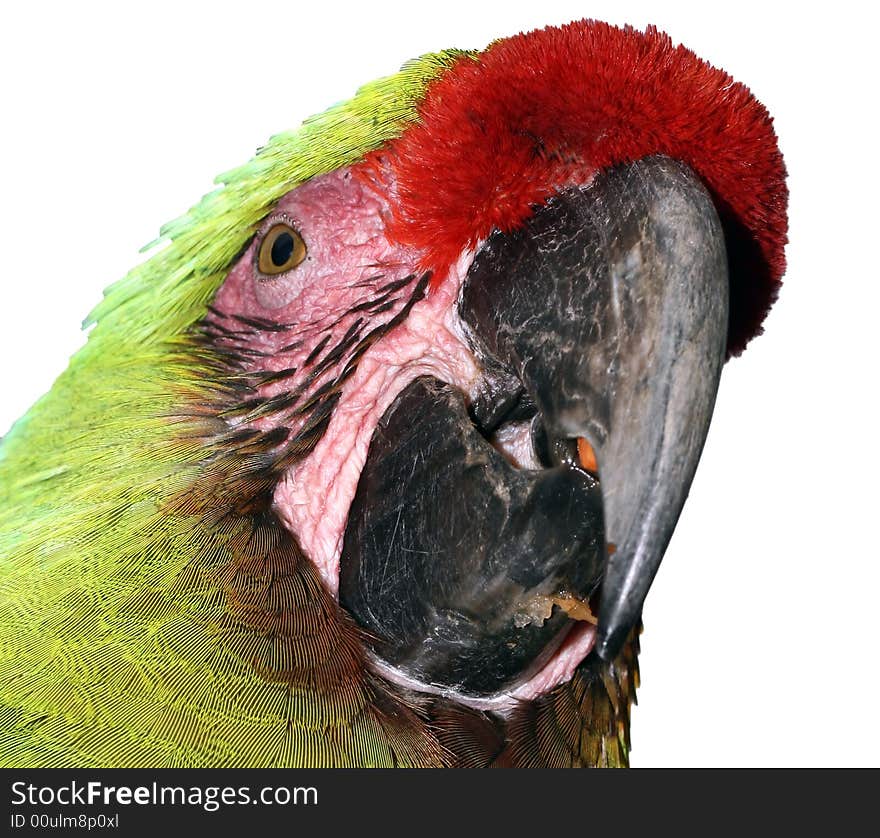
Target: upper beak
<point x="610" y="306"/>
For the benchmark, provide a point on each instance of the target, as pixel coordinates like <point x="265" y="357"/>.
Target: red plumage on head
<point x="499" y="133"/>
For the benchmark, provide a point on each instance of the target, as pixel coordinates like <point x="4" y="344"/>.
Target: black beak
<point x="611" y="308"/>
<point x="602" y="321"/>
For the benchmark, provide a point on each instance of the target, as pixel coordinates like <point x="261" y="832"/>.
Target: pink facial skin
<point x="349" y="260"/>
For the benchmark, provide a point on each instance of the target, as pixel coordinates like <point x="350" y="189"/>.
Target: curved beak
<point x="610" y="308"/>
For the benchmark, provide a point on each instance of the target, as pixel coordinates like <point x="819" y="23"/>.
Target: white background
<point x="759" y="646"/>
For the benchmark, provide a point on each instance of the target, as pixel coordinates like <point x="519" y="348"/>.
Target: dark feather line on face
<point x="374" y="305"/>
<point x="369" y="281"/>
<point x="397" y="284"/>
<point x="314" y="399"/>
<point x="385" y="307"/>
<point x="220" y="329"/>
<point x="254" y="353"/>
<point x="348" y="340"/>
<point x="319" y="348"/>
<point x="275" y="377"/>
<point x="385" y="292"/>
<point x="264" y="325"/>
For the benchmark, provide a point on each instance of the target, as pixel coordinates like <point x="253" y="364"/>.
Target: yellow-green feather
<point x="109" y="605"/>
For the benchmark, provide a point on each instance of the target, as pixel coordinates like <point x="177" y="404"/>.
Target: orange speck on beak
<point x="587" y="455"/>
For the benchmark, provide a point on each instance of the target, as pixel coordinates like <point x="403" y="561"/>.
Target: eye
<point x="281" y="249"/>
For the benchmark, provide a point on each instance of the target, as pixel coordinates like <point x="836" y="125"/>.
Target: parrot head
<point x="376" y="461"/>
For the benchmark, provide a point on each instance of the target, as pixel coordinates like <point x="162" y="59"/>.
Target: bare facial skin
<point x="353" y="279"/>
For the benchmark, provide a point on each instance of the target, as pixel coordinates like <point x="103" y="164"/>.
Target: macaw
<point x="374" y="461"/>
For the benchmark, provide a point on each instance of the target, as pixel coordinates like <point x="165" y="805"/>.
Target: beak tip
<point x="616" y="623"/>
<point x="609" y="643"/>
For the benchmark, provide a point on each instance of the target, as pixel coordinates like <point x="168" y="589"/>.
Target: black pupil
<point x="282" y="249"/>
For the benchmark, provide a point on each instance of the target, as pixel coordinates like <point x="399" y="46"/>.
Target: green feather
<point x="114" y="648"/>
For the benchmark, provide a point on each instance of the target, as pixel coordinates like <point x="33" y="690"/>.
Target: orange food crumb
<point x="576" y="608"/>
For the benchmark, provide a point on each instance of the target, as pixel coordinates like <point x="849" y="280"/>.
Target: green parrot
<point x="374" y="461"/>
